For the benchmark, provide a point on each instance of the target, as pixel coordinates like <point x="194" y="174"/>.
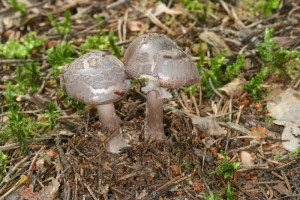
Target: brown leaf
<point x="161" y="8"/>
<point x="135" y="25"/>
<point x="216" y="41"/>
<point x="197" y="185"/>
<point x="234" y="88"/>
<point x="175" y="169"/>
<point x="28" y="194"/>
<point x="50" y="191"/>
<point x="208" y="125"/>
<point x="260" y="132"/>
<point x="282" y="189"/>
<point x="247" y="159"/>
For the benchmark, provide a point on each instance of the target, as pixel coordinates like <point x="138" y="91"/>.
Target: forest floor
<point x="224" y="141"/>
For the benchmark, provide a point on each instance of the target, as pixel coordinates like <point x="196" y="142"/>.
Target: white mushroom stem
<point x="154" y="129"/>
<point x="110" y="123"/>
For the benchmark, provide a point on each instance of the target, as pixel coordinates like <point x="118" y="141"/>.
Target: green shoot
<point x="267" y="48"/>
<point x="3" y="160"/>
<point x="8" y="93"/>
<point x="59" y="55"/>
<point x="69" y="103"/>
<point x="296" y="151"/>
<point x="99" y="19"/>
<point x="17" y="6"/>
<point x="226" y="168"/>
<point x="62" y="27"/>
<point x="186" y="165"/>
<point x="253" y="87"/>
<point x="27" y="80"/>
<point x="102" y="42"/>
<point x="198" y="9"/>
<point x="18" y="127"/>
<point x="229" y="193"/>
<point x="266" y="7"/>
<point x="112" y="41"/>
<point x="234" y="69"/>
<point x="51" y="115"/>
<point x="211" y="196"/>
<point x="14" y="49"/>
<point x="193" y="5"/>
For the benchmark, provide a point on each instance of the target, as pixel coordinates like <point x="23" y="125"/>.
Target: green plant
<point x="276" y="60"/>
<point x="102" y="42"/>
<point x="27" y="79"/>
<point x="229" y="193"/>
<point x="17" y="6"/>
<point x="112" y="38"/>
<point x="18" y="127"/>
<point x="186" y="165"/>
<point x="23" y="48"/>
<point x="266" y="7"/>
<point x="51" y="114"/>
<point x="3" y="160"/>
<point x="253" y="87"/>
<point x="267" y="48"/>
<point x="272" y="55"/>
<point x="296" y="151"/>
<point x="69" y="102"/>
<point x="226" y="167"/>
<point x="216" y="65"/>
<point x="62" y="27"/>
<point x="98" y="18"/>
<point x="198" y="9"/>
<point x="59" y="55"/>
<point x="211" y="196"/>
<point x="234" y="69"/>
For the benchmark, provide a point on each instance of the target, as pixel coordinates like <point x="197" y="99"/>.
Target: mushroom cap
<point x="95" y="78"/>
<point x="156" y="55"/>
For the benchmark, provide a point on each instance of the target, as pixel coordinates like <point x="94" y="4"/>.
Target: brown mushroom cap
<point x="95" y="78"/>
<point x="157" y="56"/>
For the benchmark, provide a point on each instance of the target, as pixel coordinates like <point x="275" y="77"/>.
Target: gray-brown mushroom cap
<point x="157" y="56"/>
<point x="95" y="78"/>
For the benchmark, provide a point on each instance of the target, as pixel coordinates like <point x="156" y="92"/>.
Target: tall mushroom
<point x="99" y="79"/>
<point x="158" y="59"/>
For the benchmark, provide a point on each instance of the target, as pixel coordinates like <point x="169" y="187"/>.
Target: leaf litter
<point x="74" y="164"/>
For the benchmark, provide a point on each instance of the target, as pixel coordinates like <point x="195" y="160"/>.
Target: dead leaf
<point x="161" y="8"/>
<point x="197" y="185"/>
<point x="208" y="125"/>
<point x="141" y="195"/>
<point x="281" y="188"/>
<point x="247" y="159"/>
<point x="50" y="191"/>
<point x="175" y="169"/>
<point x="135" y="25"/>
<point x="28" y="194"/>
<point x="234" y="88"/>
<point x="285" y="108"/>
<point x="291" y="137"/>
<point x="216" y="41"/>
<point x="286" y="42"/>
<point x="260" y="132"/>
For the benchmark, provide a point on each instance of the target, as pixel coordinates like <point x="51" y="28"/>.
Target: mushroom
<point x="99" y="79"/>
<point x="164" y="65"/>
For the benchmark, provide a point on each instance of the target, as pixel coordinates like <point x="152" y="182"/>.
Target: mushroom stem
<point x="108" y="118"/>
<point x="110" y="123"/>
<point x="154" y="129"/>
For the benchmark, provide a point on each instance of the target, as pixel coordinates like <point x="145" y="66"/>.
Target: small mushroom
<point x="99" y="79"/>
<point x="158" y="59"/>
